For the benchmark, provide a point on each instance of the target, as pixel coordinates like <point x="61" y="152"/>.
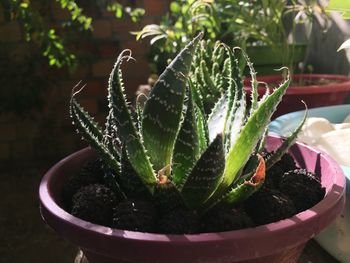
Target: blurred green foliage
<point x="234" y="22"/>
<point x="341" y="6"/>
<point x="25" y="76"/>
<point x="34" y="17"/>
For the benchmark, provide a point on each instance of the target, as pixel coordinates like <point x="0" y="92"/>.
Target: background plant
<point x="234" y="22"/>
<point x="33" y="15"/>
<point x="24" y="70"/>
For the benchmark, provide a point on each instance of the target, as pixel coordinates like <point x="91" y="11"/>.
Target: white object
<point x="314" y="128"/>
<point x="335" y="238"/>
<point x="337" y="144"/>
<point x="347" y="119"/>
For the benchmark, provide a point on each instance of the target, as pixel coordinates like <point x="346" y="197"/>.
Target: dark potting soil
<point x="94" y="203"/>
<point x="275" y="173"/>
<point x="135" y="215"/>
<point x="24" y="237"/>
<point x="286" y="191"/>
<point x="90" y="173"/>
<point x="303" y="187"/>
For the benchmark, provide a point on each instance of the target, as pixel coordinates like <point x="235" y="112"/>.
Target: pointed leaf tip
<point x="162" y="114"/>
<point x="126" y="129"/>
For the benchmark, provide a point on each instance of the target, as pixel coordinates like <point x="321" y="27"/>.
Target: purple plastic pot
<point x="280" y="242"/>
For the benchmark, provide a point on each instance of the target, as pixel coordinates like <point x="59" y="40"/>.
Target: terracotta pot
<point x="280" y="242"/>
<point x="333" y="92"/>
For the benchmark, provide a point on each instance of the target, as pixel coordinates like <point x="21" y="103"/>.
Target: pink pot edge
<point x="328" y="209"/>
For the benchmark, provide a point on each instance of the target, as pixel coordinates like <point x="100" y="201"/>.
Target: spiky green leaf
<point x="252" y="131"/>
<point x="202" y="129"/>
<point x="217" y="118"/>
<point x="91" y="133"/>
<point x="247" y="187"/>
<point x="249" y="136"/>
<point x="163" y="110"/>
<point x="224" y="80"/>
<point x="237" y="112"/>
<point x="138" y="113"/>
<point x="235" y="122"/>
<point x="205" y="175"/>
<point x="130" y="182"/>
<point x="126" y="128"/>
<point x="196" y="95"/>
<point x="218" y="54"/>
<point x="287" y="143"/>
<point x="110" y="136"/>
<point x="207" y="79"/>
<point x="254" y="83"/>
<point x="187" y="148"/>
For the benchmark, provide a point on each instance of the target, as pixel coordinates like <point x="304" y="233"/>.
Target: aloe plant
<point x="210" y="70"/>
<point x="173" y="151"/>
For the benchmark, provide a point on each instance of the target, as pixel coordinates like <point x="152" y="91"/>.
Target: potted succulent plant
<point x="173" y="184"/>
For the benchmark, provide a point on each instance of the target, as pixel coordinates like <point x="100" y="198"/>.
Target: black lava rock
<point x="135" y="215"/>
<point x="303" y="187"/>
<point x="222" y="219"/>
<point x="268" y="205"/>
<point x="91" y="173"/>
<point x="94" y="203"/>
<point x="274" y="174"/>
<point x="178" y="222"/>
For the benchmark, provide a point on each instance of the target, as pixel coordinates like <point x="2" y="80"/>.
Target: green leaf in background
<point x="341" y="6"/>
<point x="175" y="7"/>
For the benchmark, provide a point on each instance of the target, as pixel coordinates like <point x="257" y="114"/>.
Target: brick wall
<point x="48" y="134"/>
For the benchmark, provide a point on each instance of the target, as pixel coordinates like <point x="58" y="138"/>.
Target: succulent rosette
<point x="195" y="146"/>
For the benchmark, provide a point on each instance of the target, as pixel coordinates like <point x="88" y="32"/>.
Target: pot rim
<point x="329" y="207"/>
